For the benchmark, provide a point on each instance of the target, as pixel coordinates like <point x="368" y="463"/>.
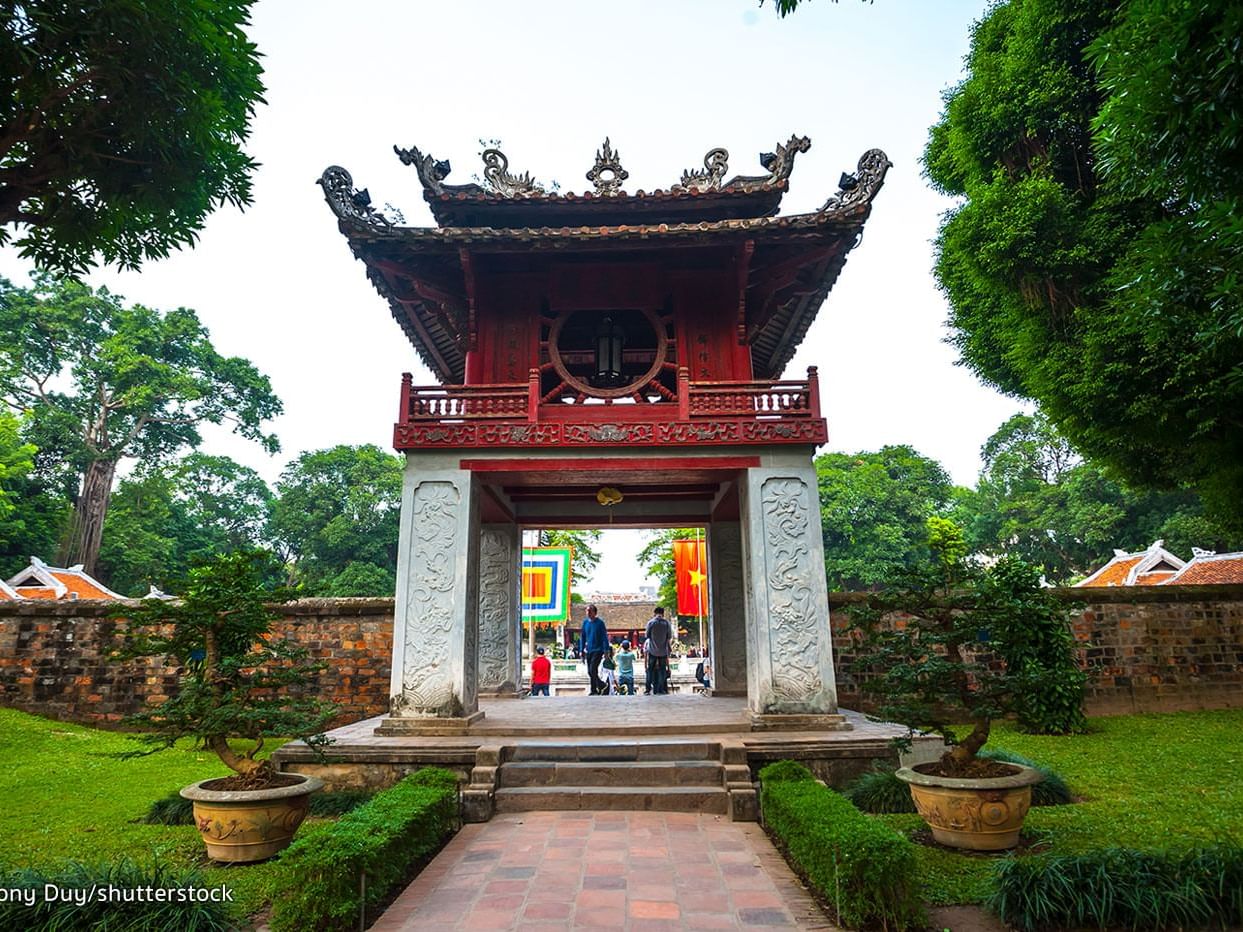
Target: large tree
<point x="1093" y="263"/>
<point x="121" y="124"/>
<point x="105" y="381"/>
<point x="874" y="509"/>
<point x="336" y="520"/>
<point x="1038" y="500"/>
<point x="166" y="518"/>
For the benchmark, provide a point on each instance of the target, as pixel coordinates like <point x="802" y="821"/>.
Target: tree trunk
<point x="86" y="529"/>
<point x="238" y="763"/>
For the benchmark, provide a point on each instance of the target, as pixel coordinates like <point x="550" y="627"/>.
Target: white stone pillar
<point x="729" y="623"/>
<point x="789" y="643"/>
<point x="500" y="629"/>
<point x="434" y="623"/>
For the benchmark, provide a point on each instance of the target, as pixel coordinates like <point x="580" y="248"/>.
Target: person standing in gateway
<point x="595" y="643"/>
<point x="660" y="634"/>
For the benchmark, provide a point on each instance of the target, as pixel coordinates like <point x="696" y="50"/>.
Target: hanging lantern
<point x="610" y="341"/>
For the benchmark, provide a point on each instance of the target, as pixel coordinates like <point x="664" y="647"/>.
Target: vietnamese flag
<point x="690" y="560"/>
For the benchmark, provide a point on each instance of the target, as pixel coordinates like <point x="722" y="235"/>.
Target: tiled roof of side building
<point x="1210" y="569"/>
<point x="7" y="593"/>
<point x="40" y="581"/>
<point x="1145" y="568"/>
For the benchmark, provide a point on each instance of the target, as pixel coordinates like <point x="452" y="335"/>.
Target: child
<point x="608" y="668"/>
<point x="541" y="673"/>
<point x="625" y="669"/>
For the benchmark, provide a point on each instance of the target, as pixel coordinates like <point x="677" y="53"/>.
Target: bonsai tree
<point x="954" y="641"/>
<point x="237" y="679"/>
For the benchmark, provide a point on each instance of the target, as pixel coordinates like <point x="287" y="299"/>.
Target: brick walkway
<point x="606" y="870"/>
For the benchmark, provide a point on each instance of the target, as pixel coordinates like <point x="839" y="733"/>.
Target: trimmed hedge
<point x="124" y="875"/>
<point x="1122" y="888"/>
<point x="380" y="839"/>
<point x="863" y="868"/>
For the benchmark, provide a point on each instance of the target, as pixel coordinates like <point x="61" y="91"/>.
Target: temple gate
<point x="603" y="343"/>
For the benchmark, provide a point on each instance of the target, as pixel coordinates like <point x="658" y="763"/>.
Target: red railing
<point x="514" y="401"/>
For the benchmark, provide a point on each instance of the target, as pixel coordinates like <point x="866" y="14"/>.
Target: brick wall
<point x="1146" y="648"/>
<point x="53" y="659"/>
<point x="1149" y="649"/>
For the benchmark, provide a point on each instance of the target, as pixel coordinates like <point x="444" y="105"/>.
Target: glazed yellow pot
<point x="980" y="815"/>
<point x="249" y="825"/>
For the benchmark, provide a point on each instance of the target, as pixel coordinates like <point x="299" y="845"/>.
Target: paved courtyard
<point x="606" y="870"/>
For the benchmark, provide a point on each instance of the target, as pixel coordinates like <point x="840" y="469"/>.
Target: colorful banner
<point x="546" y="584"/>
<point x="690" y="560"/>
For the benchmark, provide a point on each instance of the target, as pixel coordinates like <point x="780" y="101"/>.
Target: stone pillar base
<point x="728" y="693"/>
<point x="398" y="725"/>
<point x="509" y="691"/>
<point x="799" y="723"/>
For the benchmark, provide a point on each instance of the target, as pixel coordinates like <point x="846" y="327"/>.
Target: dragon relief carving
<point x="496" y="174"/>
<point x="431" y="172"/>
<point x="862" y="186"/>
<point x="795" y="624"/>
<point x="496" y="585"/>
<point x="427" y="681"/>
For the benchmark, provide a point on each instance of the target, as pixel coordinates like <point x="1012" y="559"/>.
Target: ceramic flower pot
<point x="250" y="825"/>
<point x="983" y="814"/>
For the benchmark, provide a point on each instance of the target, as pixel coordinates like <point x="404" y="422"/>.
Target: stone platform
<point x="593" y="752"/>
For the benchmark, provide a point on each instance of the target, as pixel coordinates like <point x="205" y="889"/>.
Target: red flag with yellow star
<point x="690" y="560"/>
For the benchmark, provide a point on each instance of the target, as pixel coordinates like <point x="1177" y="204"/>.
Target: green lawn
<point x="1146" y="781"/>
<point x="64" y="795"/>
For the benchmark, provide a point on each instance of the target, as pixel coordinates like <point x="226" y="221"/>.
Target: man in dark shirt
<point x="660" y="633"/>
<point x="595" y="643"/>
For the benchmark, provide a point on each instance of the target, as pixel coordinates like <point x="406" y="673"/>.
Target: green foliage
<point x="380" y="840"/>
<point x="16" y="461"/>
<point x="873" y="509"/>
<point x="785" y="771"/>
<point x="958" y="620"/>
<point x="101" y="381"/>
<point x="1093" y="263"/>
<point x="59" y="915"/>
<point x="338" y="507"/>
<point x="239" y="680"/>
<point x="862" y="868"/>
<point x="174" y="809"/>
<point x="164" y="518"/>
<point x="122" y="125"/>
<point x="584" y="544"/>
<point x="1122" y="888"/>
<point x="879" y="790"/>
<point x="1037" y="500"/>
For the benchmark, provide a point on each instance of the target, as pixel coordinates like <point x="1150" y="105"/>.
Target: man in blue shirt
<point x="595" y="643"/>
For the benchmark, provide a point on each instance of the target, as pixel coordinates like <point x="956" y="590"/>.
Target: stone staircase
<point x="684" y="776"/>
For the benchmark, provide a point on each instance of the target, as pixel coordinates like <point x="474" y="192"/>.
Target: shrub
<point x="380" y="840"/>
<point x="880" y="791"/>
<point x="862" y="867"/>
<point x="1122" y="888"/>
<point x="173" y="809"/>
<point x="51" y="915"/>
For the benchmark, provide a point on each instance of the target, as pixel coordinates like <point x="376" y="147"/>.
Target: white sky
<point x="666" y="81"/>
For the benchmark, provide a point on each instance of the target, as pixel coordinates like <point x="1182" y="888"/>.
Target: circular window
<point x="608" y="353"/>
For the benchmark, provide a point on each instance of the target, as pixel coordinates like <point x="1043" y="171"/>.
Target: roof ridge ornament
<point x="607" y="174"/>
<point x="861" y="187"/>
<point x="781" y="162"/>
<point x="709" y="179"/>
<point x="431" y="172"/>
<point x="496" y="174"/>
<point x="346" y="201"/>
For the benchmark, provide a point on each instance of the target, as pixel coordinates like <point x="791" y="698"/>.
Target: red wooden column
<point x="403" y="409"/>
<point x="684" y="393"/>
<point x="813" y="391"/>
<point x="532" y="395"/>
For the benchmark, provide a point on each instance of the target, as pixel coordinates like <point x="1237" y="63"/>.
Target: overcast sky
<point x="666" y="81"/>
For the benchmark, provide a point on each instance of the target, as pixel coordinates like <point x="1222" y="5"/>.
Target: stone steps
<point x="649" y="798"/>
<point x="615" y="751"/>
<point x="631" y="774"/>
